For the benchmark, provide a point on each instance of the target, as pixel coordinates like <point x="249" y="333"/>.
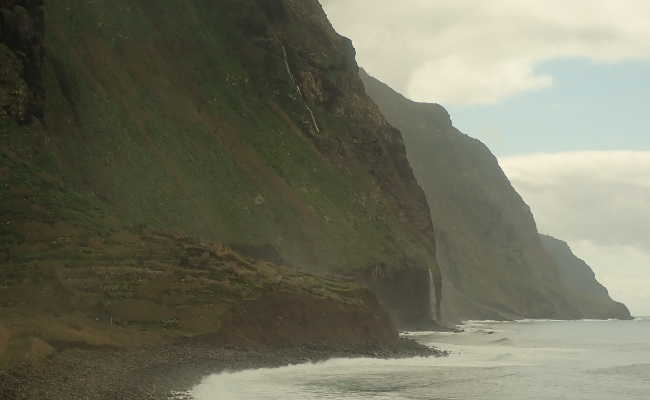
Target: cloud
<point x="603" y="197"/>
<point x="600" y="203"/>
<point x="477" y="51"/>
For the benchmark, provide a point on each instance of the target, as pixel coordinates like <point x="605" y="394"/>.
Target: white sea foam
<point x="534" y="360"/>
<point x="417" y="333"/>
<point x="532" y="321"/>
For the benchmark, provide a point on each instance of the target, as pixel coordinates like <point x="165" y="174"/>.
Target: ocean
<point x="523" y="360"/>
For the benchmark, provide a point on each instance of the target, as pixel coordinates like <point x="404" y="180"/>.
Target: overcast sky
<point x="557" y="89"/>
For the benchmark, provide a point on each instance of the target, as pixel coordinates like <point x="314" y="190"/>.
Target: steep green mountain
<point x="142" y="141"/>
<point x="488" y="248"/>
<point x="589" y="296"/>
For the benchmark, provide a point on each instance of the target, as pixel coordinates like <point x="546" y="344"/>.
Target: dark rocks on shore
<point x="154" y="373"/>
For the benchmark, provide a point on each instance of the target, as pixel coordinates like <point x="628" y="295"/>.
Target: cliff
<point x="494" y="263"/>
<point x="181" y="169"/>
<point x="586" y="293"/>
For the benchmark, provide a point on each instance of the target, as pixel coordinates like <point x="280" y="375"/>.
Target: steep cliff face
<point x="241" y="123"/>
<point x="488" y="246"/>
<point x="584" y="291"/>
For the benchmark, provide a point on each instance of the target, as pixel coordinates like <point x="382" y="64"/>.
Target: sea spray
<point x="533" y="360"/>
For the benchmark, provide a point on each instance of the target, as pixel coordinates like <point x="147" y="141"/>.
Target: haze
<point x="555" y="89"/>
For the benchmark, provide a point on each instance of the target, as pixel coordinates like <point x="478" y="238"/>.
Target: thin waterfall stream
<point x="298" y="90"/>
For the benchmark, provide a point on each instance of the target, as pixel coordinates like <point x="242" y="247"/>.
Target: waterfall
<point x="436" y="281"/>
<point x="298" y="90"/>
<point x="433" y="302"/>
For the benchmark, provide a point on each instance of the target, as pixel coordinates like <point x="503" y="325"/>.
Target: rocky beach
<point x="157" y="373"/>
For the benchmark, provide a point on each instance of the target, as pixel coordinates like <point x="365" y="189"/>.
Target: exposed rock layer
<point x="493" y="261"/>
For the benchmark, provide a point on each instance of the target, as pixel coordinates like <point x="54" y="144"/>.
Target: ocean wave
<point x="419" y="333"/>
<point x="597" y="320"/>
<point x="485" y="321"/>
<point x="637" y="371"/>
<point x="541" y="320"/>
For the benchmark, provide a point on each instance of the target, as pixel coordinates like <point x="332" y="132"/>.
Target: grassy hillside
<point x="198" y="116"/>
<point x="186" y="115"/>
<point x="73" y="275"/>
<point x="142" y="142"/>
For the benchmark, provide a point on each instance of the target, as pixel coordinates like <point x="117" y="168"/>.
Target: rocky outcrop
<point x="585" y="292"/>
<point x="21" y="57"/>
<point x="493" y="261"/>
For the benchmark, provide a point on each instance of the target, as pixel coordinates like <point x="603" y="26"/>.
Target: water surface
<point x="525" y="360"/>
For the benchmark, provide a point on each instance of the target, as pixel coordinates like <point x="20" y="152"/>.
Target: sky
<point x="557" y="89"/>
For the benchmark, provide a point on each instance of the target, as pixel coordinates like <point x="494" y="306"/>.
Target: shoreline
<point x="157" y="372"/>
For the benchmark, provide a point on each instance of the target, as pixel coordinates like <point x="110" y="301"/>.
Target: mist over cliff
<point x="216" y="172"/>
<point x="493" y="260"/>
<point x="199" y="169"/>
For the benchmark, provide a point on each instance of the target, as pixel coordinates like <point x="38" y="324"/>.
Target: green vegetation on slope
<point x="172" y="132"/>
<point x="73" y="275"/>
<point x="185" y="115"/>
